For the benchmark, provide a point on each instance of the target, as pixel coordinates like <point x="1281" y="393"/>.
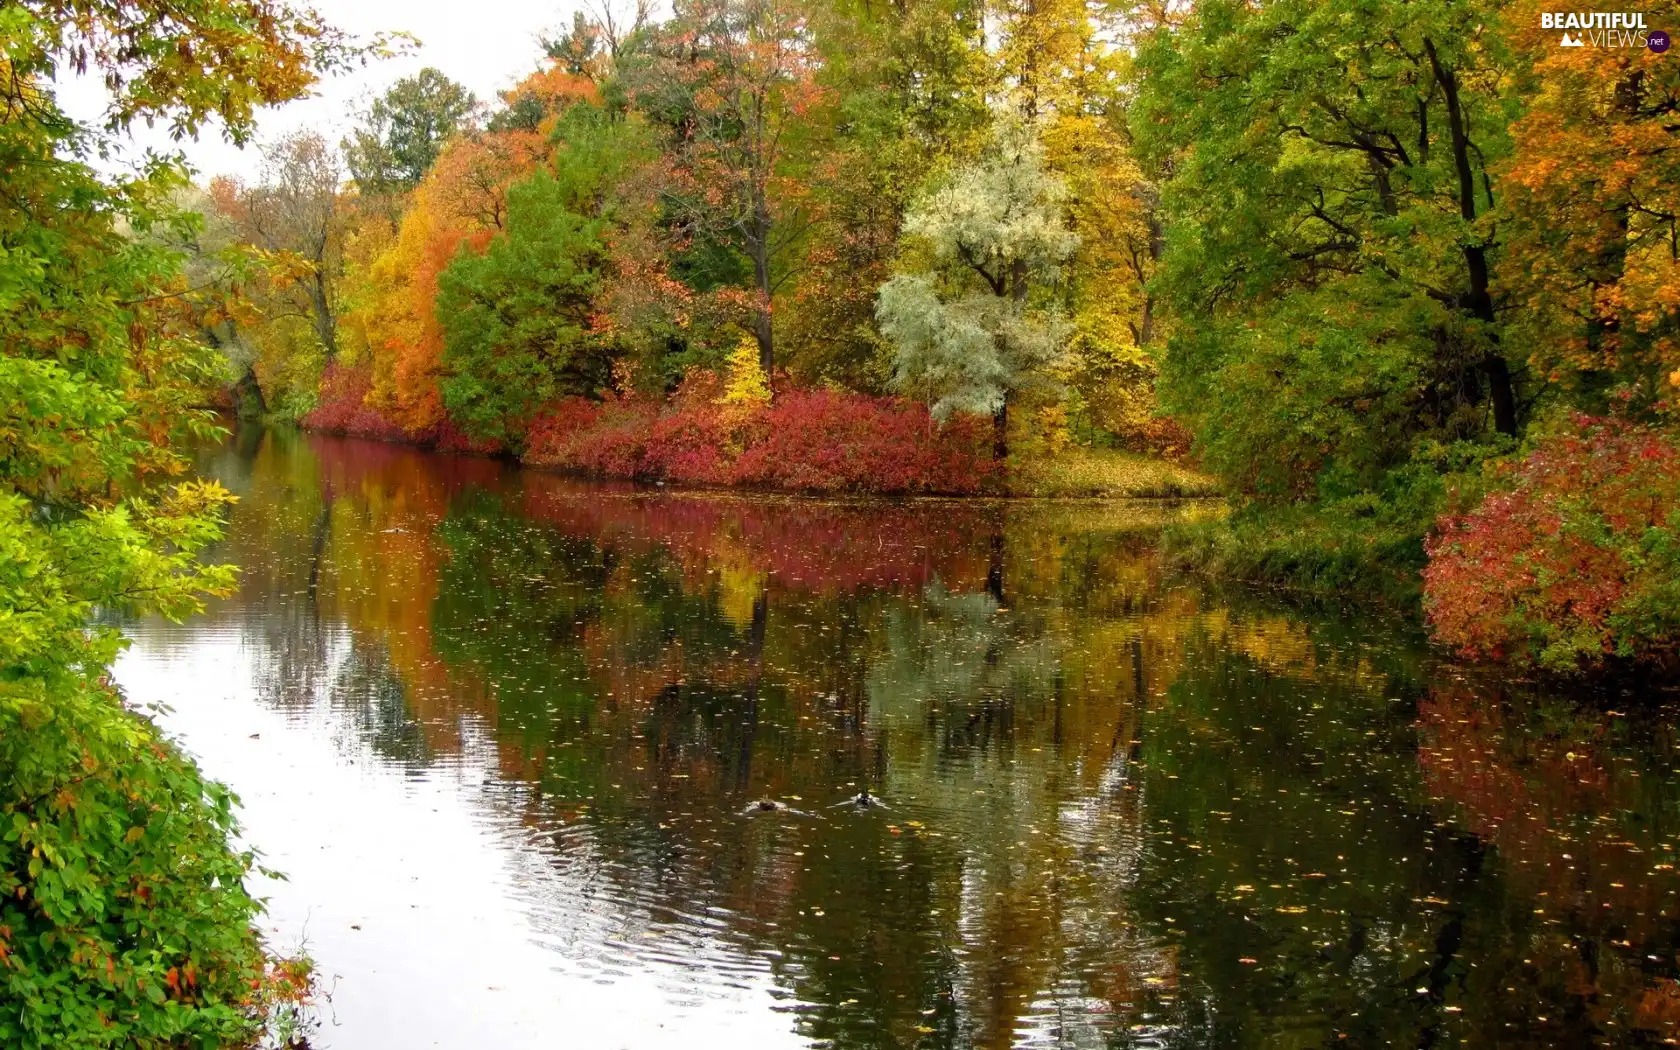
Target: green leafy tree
<point x="404" y="131"/>
<point x="124" y="921"/>
<point x="967" y="332"/>
<point x="1331" y="251"/>
<point x="734" y="80"/>
<point x="910" y="83"/>
<point x="520" y="326"/>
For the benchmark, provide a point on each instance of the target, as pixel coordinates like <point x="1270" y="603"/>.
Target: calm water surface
<point x="502" y="731"/>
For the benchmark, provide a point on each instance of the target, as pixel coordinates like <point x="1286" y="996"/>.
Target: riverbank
<point x="518" y="723"/>
<point x="815" y="441"/>
<point x="1306" y="551"/>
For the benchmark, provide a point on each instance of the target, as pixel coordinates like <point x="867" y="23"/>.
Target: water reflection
<point x="1120" y="811"/>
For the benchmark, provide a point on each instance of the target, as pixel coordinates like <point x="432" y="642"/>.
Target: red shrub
<point x="823" y="441"/>
<point x="448" y="436"/>
<point x="1575" y="558"/>
<point x="603" y="438"/>
<point x="342" y="407"/>
<point x="807" y="441"/>
<point x="689" y="445"/>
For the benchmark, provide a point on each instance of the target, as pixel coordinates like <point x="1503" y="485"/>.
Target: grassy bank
<point x="1317" y="552"/>
<point x="1107" y="474"/>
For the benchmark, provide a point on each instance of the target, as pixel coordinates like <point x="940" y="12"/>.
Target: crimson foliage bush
<point x="825" y="441"/>
<point x="1573" y="560"/>
<point x="342" y="407"/>
<point x="807" y="441"/>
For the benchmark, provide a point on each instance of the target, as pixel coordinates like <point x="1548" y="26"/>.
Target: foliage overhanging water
<point x="505" y="730"/>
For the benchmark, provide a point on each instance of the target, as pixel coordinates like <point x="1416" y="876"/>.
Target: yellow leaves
<point x="747" y="386"/>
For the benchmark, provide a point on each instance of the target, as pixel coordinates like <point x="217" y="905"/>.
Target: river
<point x="503" y="732"/>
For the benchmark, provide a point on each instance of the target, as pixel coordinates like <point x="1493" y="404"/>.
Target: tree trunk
<point x="1000" y="430"/>
<point x="1478" y="302"/>
<point x="765" y="334"/>
<point x="759" y="246"/>
<point x="1500" y="392"/>
<point x="248" y="392"/>
<point x="325" y="327"/>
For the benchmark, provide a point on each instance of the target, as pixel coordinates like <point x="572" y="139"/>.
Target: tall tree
<point x="967" y="335"/>
<point x="463" y="200"/>
<point x="521" y="322"/>
<point x="909" y="84"/>
<point x="404" y="130"/>
<point x="732" y="79"/>
<point x="297" y="209"/>
<point x="1333" y="250"/>
<point x="1592" y="217"/>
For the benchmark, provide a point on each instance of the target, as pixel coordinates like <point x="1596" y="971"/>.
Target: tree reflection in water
<point x="1124" y="810"/>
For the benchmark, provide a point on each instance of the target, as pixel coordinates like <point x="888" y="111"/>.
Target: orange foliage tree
<point x="1592" y="196"/>
<point x="461" y="201"/>
<point x="736" y="79"/>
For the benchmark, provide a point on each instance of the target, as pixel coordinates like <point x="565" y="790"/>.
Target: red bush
<point x="605" y="438"/>
<point x="342" y="407"/>
<point x="823" y="441"/>
<point x="807" y="441"/>
<point x="1575" y="558"/>
<point x="448" y="436"/>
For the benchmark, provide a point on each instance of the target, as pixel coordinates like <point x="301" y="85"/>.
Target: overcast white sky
<point x="485" y="44"/>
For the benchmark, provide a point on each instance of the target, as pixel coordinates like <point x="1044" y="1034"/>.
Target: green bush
<point x="124" y="919"/>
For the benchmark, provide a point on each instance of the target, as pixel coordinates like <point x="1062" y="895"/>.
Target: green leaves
<point x="404" y="131"/>
<point x="115" y="874"/>
<point x="520" y="321"/>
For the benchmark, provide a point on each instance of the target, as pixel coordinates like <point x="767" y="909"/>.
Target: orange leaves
<point x="461" y="203"/>
<point x="1593" y="188"/>
<point x="554" y="88"/>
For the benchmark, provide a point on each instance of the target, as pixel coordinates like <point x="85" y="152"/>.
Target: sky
<point x="485" y="44"/>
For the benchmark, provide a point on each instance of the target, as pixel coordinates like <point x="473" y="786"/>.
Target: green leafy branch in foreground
<point x="124" y="916"/>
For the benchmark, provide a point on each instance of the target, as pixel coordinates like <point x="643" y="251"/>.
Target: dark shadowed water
<point x="503" y="731"/>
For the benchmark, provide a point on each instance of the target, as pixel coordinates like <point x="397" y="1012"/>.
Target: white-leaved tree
<point x="968" y="330"/>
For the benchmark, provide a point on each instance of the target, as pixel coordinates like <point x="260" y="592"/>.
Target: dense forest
<point x="1402" y="279"/>
<point x="1386" y="275"/>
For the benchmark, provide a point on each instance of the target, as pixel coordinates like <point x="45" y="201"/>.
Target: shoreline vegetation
<point x="887" y="449"/>
<point x="1405" y="279"/>
<point x="128" y="911"/>
<point x="1359" y="271"/>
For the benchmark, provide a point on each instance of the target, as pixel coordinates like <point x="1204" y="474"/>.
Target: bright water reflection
<point x="503" y="729"/>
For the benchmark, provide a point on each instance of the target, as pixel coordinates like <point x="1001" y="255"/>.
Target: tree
<point x="731" y="78"/>
<point x="596" y="39"/>
<point x="909" y="83"/>
<point x="521" y="325"/>
<point x="124" y="914"/>
<point x="404" y="130"/>
<point x="462" y="200"/>
<point x="297" y="210"/>
<point x="516" y="320"/>
<point x="1331" y="253"/>
<point x="1591" y="203"/>
<point x="966" y="334"/>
